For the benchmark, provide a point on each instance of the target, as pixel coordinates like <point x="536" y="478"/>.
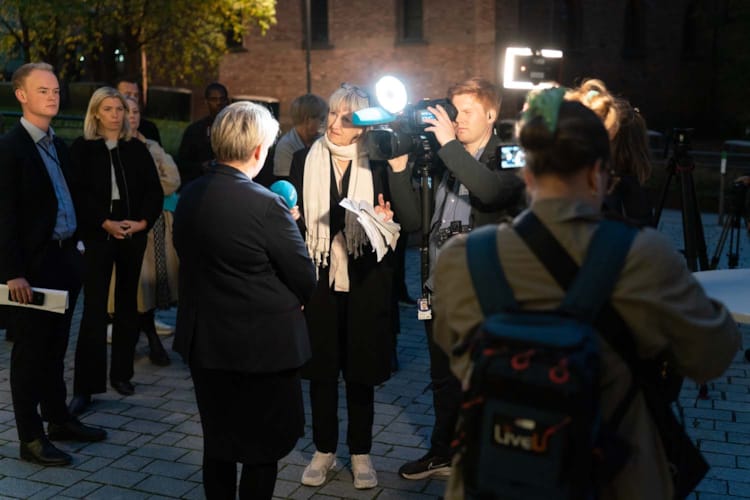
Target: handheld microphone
<point x="286" y="190"/>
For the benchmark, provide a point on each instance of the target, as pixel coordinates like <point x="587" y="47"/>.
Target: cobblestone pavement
<point x="154" y="445"/>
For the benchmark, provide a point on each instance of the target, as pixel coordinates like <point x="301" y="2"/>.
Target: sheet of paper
<point x="381" y="234"/>
<point x="55" y="301"/>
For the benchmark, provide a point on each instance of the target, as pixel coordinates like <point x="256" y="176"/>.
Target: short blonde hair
<point x="20" y="75"/>
<point x="91" y="123"/>
<point x="240" y="128"/>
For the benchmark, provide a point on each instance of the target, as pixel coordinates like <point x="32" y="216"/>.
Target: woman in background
<point x="157" y="286"/>
<point x="118" y="200"/>
<point x="631" y="161"/>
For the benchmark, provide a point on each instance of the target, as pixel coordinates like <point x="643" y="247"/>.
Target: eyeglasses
<point x="358" y="91"/>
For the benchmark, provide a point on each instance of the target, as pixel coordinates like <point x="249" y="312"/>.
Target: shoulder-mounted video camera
<point x="397" y="128"/>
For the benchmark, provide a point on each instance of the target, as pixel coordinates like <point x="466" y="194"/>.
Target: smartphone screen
<point x="511" y="156"/>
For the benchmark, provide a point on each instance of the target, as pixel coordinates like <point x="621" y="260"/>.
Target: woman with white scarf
<point x="349" y="317"/>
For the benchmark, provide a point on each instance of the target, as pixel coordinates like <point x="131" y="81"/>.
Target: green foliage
<point x="181" y="39"/>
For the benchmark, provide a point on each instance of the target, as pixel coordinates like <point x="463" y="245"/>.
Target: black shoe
<point x="41" y="451"/>
<point x="74" y="430"/>
<point x="123" y="387"/>
<point x="79" y="403"/>
<point x="428" y="465"/>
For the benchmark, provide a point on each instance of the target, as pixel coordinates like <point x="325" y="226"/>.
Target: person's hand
<point x="441" y="125"/>
<point x="745" y="179"/>
<point x="399" y="163"/>
<point x="131" y="227"/>
<point x="383" y="209"/>
<point x="20" y="290"/>
<point x="114" y="228"/>
<point x="295" y="212"/>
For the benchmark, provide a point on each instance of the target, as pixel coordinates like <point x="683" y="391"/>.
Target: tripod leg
<point x="688" y="221"/>
<point x="663" y="196"/>
<point x="720" y="244"/>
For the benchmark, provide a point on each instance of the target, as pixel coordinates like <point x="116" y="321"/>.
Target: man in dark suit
<point x="37" y="248"/>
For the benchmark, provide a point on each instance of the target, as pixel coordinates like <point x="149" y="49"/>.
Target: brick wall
<point x="465" y="38"/>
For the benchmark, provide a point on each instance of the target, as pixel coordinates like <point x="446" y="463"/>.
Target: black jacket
<point x="28" y="204"/>
<point x="195" y="150"/>
<point x="244" y="275"/>
<point x="137" y="180"/>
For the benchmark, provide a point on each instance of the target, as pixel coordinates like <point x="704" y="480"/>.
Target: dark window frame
<point x="319" y="25"/>
<point x="410" y="22"/>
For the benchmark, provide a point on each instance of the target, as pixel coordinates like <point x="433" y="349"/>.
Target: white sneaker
<point x="109" y="333"/>
<point x="363" y="472"/>
<point x="317" y="470"/>
<point x="163" y="328"/>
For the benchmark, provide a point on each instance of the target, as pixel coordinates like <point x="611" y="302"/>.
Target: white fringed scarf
<point x="316" y="189"/>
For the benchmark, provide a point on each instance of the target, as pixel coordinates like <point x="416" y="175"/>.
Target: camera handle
<point x="682" y="165"/>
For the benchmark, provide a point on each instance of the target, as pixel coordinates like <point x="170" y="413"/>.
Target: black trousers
<point x="91" y="350"/>
<point x="41" y="339"/>
<point x="446" y="397"/>
<point x="220" y="480"/>
<point x="360" y="406"/>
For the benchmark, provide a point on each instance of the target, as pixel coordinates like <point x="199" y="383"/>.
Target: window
<point x="409" y="19"/>
<point x="319" y="23"/>
<point x="633" y="46"/>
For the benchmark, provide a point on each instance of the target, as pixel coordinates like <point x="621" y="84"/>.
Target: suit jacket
<point x="28" y="204"/>
<point x="244" y="275"/>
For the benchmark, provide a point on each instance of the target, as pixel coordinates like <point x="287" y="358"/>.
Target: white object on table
<point x="730" y="287"/>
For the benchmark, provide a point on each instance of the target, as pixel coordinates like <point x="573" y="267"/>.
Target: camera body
<point x="682" y="140"/>
<point x="407" y="133"/>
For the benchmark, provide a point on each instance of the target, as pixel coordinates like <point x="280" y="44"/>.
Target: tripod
<point x="681" y="164"/>
<point x="731" y="228"/>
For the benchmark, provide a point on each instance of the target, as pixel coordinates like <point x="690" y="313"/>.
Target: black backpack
<point x="530" y="425"/>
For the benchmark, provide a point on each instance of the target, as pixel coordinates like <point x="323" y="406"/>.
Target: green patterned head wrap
<point x="546" y="104"/>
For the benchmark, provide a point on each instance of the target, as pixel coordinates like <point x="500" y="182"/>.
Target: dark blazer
<point x="244" y="275"/>
<point x="28" y="204"/>
<point x="137" y="180"/>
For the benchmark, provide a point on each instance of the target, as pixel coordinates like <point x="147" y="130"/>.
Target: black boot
<point x="157" y="354"/>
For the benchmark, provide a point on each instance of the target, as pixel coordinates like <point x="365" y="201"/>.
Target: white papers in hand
<point x="382" y="234"/>
<point x="55" y="301"/>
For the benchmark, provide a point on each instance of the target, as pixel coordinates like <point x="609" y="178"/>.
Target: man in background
<point x="308" y="115"/>
<point x="195" y="152"/>
<point x="128" y="87"/>
<point x="38" y="248"/>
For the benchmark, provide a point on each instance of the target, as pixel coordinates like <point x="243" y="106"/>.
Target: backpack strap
<point x="613" y="239"/>
<point x="491" y="285"/>
<point x="596" y="279"/>
<point x="564" y="269"/>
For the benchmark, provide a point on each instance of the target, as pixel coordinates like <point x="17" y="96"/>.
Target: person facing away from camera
<point x="245" y="275"/>
<point x="567" y="175"/>
<point x="471" y="191"/>
<point x="631" y="160"/>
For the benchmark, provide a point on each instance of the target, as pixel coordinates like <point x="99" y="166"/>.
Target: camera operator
<point x="472" y="191"/>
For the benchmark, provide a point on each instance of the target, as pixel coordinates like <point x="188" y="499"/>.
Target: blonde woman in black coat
<point x="118" y="199"/>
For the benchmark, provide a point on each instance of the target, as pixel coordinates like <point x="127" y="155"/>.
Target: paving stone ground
<point x="155" y="442"/>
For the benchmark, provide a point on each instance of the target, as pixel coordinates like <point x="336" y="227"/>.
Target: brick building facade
<point x="654" y="53"/>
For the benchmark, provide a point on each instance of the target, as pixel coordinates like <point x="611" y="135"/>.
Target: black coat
<point x="195" y="150"/>
<point x="137" y="180"/>
<point x="244" y="275"/>
<point x="369" y="331"/>
<point x="28" y="204"/>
